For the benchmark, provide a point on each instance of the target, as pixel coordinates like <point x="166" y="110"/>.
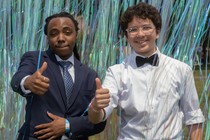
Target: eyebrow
<point x="64" y="27"/>
<point x="141" y="25"/>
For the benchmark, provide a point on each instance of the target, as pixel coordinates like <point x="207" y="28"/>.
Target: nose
<point x="61" y="37"/>
<point x="140" y="33"/>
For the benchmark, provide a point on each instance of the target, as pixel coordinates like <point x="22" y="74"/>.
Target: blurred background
<point x="185" y="36"/>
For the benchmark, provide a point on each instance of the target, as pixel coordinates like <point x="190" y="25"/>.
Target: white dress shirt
<point x="70" y="69"/>
<point x="153" y="101"/>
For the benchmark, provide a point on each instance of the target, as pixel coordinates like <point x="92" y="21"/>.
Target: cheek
<point x="153" y="37"/>
<point x="129" y="40"/>
<point x="51" y="41"/>
<point x="72" y="39"/>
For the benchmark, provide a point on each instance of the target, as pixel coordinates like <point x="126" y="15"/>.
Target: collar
<point x="71" y="59"/>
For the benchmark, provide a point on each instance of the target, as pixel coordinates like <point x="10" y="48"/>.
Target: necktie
<point x="68" y="82"/>
<point x="153" y="60"/>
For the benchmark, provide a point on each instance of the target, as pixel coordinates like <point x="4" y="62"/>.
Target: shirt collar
<point x="71" y="59"/>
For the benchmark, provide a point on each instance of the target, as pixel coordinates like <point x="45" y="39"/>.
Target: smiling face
<point x="62" y="35"/>
<point x="142" y="42"/>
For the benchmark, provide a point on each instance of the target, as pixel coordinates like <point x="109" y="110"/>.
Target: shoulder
<point x="84" y="67"/>
<point x="128" y="61"/>
<point x="174" y="64"/>
<point x="87" y="68"/>
<point x="33" y="53"/>
<point x="119" y="69"/>
<point x="116" y="67"/>
<point x="30" y="56"/>
<point x="115" y="71"/>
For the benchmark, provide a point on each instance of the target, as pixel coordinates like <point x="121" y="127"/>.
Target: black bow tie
<point x="153" y="60"/>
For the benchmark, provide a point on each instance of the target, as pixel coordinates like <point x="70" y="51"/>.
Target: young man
<point x="55" y="109"/>
<point x="155" y="94"/>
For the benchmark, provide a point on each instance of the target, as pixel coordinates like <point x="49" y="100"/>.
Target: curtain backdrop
<point x="185" y="36"/>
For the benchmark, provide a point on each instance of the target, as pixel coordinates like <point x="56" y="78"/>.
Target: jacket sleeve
<point x="85" y="128"/>
<point x="26" y="67"/>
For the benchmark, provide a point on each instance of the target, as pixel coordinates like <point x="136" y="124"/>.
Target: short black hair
<point x="143" y="11"/>
<point x="61" y="14"/>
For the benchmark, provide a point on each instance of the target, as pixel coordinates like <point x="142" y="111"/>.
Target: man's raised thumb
<point x="43" y="67"/>
<point x="98" y="83"/>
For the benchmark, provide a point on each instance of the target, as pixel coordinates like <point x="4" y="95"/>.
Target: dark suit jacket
<point x="54" y="100"/>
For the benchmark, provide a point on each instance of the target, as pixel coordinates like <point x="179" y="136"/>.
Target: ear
<point x="157" y="34"/>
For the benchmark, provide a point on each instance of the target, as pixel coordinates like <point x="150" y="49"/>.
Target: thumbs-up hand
<point x="37" y="83"/>
<point x="102" y="97"/>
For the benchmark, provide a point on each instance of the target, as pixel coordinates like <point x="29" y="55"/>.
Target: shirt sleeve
<point x="111" y="82"/>
<point x="22" y="87"/>
<point x="189" y="101"/>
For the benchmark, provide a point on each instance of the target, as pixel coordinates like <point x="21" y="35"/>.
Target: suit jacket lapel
<point x="79" y="72"/>
<point x="55" y="69"/>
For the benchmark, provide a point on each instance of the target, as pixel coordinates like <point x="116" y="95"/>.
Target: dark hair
<point x="61" y="14"/>
<point x="68" y="15"/>
<point x="143" y="11"/>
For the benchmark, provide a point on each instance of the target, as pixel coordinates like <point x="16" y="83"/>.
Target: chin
<point x="64" y="56"/>
<point x="142" y="52"/>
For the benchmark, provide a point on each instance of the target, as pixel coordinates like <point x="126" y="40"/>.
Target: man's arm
<point x="26" y="79"/>
<point x="82" y="127"/>
<point x="101" y="100"/>
<point x="79" y="127"/>
<point x="95" y="115"/>
<point x="195" y="131"/>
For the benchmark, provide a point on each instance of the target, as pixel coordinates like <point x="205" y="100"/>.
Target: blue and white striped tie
<point x="68" y="82"/>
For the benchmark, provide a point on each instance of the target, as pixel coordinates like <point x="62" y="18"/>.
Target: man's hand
<point x="100" y="101"/>
<point x="51" y="130"/>
<point x="37" y="83"/>
<point x="102" y="96"/>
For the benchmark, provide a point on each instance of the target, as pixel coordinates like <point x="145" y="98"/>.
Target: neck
<point x="148" y="54"/>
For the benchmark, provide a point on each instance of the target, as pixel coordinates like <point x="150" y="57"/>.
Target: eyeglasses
<point x="146" y="30"/>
